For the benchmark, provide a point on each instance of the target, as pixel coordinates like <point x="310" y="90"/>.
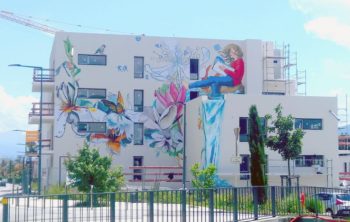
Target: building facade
<point x="127" y="96"/>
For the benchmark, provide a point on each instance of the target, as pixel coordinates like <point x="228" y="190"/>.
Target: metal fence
<point x="220" y="204"/>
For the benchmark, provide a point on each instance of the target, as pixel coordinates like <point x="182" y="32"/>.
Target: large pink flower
<point x="172" y="96"/>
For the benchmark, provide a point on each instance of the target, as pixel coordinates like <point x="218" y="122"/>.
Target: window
<point x="87" y="93"/>
<point x="84" y="59"/>
<point x="92" y="127"/>
<point x="138" y="67"/>
<point x="138" y="100"/>
<point x="244" y="167"/>
<point x="309" y="160"/>
<point x="194" y="69"/>
<point x="138" y="161"/>
<point x="138" y="133"/>
<point x="194" y="94"/>
<point x="244" y="127"/>
<point x="345" y="167"/>
<point x="308" y="124"/>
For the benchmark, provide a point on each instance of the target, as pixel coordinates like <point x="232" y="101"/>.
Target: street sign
<point x="236" y="159"/>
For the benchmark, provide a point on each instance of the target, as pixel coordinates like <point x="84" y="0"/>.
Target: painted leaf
<point x="168" y="116"/>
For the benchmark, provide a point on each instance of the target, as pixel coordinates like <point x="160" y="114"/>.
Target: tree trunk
<point x="289" y="179"/>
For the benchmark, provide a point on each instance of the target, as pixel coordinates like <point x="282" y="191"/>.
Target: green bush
<point x="57" y="189"/>
<point x="288" y="204"/>
<point x="203" y="178"/>
<point x="313" y="205"/>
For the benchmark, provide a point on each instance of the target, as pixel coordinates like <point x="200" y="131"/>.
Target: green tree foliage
<point x="203" y="178"/>
<point x="11" y="169"/>
<point x="89" y="168"/>
<point x="257" y="151"/>
<point x="286" y="140"/>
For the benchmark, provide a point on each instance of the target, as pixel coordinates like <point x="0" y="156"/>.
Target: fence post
<point x="255" y="199"/>
<point x="5" y="208"/>
<point x="317" y="202"/>
<point x="151" y="206"/>
<point x="65" y="208"/>
<point x="211" y="205"/>
<point x="183" y="205"/>
<point x="235" y="205"/>
<point x="112" y="206"/>
<point x="273" y="200"/>
<point x="298" y="198"/>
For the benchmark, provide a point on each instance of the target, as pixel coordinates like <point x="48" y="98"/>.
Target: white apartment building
<point x="126" y="96"/>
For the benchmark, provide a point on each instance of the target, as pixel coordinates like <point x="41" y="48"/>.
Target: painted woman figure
<point x="231" y="75"/>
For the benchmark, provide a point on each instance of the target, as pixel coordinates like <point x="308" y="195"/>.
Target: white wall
<point x="320" y="142"/>
<point x="162" y="53"/>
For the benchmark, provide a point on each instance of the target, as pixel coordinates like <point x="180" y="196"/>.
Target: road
<point x="9" y="189"/>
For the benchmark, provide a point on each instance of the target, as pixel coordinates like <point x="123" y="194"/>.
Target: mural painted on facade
<point x="71" y="69"/>
<point x="225" y="74"/>
<point x="165" y="132"/>
<point x="162" y="121"/>
<point x="174" y="62"/>
<point x="212" y="115"/>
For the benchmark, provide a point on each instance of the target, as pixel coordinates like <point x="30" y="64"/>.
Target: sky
<point x="318" y="30"/>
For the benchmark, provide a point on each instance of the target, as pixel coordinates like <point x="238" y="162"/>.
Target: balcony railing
<point x="33" y="150"/>
<point x="47" y="75"/>
<point x="46" y="144"/>
<point x="344" y="176"/>
<point x="47" y="109"/>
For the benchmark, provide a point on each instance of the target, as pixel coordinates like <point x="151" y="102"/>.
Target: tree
<point x="89" y="168"/>
<point x="257" y="152"/>
<point x="203" y="178"/>
<point x="285" y="140"/>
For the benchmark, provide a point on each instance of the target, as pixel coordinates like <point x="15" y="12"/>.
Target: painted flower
<point x="69" y="66"/>
<point x="171" y="95"/>
<point x="166" y="134"/>
<point x="120" y="125"/>
<point x="113" y="138"/>
<point x="169" y="141"/>
<point x="176" y="60"/>
<point x="67" y="95"/>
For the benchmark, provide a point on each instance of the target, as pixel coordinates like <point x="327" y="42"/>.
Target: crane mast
<point x="27" y="22"/>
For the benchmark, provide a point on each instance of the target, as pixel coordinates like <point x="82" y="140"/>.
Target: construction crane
<point x="27" y="22"/>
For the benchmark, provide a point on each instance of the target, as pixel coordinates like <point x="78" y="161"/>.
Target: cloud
<point x="14" y="111"/>
<point x="320" y="7"/>
<point x="329" y="28"/>
<point x="329" y="19"/>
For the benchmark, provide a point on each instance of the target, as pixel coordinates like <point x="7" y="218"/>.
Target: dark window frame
<point x="304" y="124"/>
<point x="139" y="75"/>
<point x="142" y="134"/>
<point x="243" y="133"/>
<point x="88" y="97"/>
<point x="138" y="171"/>
<point x="309" y="160"/>
<point x="139" y="107"/>
<point x="194" y="69"/>
<point x="88" y="63"/>
<point x="87" y="128"/>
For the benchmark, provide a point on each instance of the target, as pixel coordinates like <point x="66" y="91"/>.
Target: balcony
<point x="344" y="176"/>
<point x="46" y="146"/>
<point x="32" y="149"/>
<point x="47" y="78"/>
<point x="47" y="113"/>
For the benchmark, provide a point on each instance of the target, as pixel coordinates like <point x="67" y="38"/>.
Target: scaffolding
<point x="343" y="118"/>
<point x="281" y="75"/>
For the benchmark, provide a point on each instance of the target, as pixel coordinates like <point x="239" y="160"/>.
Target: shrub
<point x="313" y="205"/>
